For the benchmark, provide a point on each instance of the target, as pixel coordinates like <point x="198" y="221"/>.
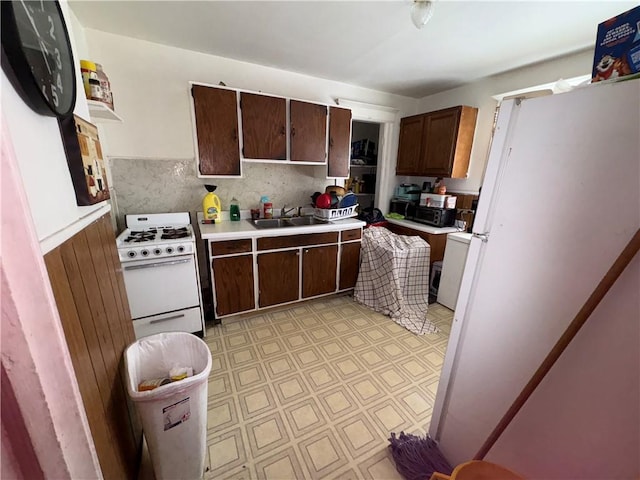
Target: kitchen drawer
<point x="354" y="234"/>
<point x="287" y="241"/>
<point x="230" y="246"/>
<point x="189" y="321"/>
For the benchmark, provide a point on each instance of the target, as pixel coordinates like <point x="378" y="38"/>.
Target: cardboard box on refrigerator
<point x="617" y="52"/>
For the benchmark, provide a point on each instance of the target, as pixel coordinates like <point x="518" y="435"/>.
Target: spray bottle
<point x="211" y="204"/>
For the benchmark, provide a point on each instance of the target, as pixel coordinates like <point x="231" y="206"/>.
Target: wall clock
<point x="37" y="55"/>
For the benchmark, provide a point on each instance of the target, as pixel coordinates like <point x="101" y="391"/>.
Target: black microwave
<point x="436" y="217"/>
<point x="403" y="207"/>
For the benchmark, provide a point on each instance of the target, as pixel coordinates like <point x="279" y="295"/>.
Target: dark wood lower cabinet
<point x="349" y="265"/>
<point x="437" y="242"/>
<point x="319" y="270"/>
<point x="278" y="277"/>
<point x="290" y="268"/>
<point x="89" y="290"/>
<point x="233" y="277"/>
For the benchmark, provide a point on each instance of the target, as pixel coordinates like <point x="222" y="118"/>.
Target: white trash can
<point x="174" y="416"/>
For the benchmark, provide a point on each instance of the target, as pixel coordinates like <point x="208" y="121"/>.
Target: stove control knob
<point x="169" y="249"/>
<point x="180" y="249"/>
<point x="157" y="251"/>
<point x="144" y="253"/>
<point x="131" y="253"/>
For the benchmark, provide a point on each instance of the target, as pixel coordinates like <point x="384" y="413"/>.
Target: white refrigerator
<point x="560" y="200"/>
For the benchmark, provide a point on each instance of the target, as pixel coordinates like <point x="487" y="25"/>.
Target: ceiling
<point x="366" y="43"/>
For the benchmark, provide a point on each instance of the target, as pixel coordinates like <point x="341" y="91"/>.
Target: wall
<point x="41" y="157"/>
<point x="151" y="93"/>
<point x="43" y="420"/>
<point x="479" y="94"/>
<point x="167" y="185"/>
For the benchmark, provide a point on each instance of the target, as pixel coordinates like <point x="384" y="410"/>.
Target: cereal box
<point x="617" y="47"/>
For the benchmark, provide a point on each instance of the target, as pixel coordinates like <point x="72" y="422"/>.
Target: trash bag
<point x="371" y="215"/>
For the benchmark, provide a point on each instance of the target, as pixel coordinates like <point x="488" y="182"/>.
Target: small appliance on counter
<point x="405" y="208"/>
<point x="407" y="191"/>
<point x="436" y="217"/>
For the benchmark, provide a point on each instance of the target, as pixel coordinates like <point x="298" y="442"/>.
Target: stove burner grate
<point x="141" y="236"/>
<point x="175" y="233"/>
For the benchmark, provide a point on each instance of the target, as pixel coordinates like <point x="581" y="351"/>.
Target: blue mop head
<point x="417" y="457"/>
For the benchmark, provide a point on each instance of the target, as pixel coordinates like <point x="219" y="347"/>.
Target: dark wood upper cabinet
<point x="319" y="270"/>
<point x="339" y="142"/>
<point x="410" y="145"/>
<point x="264" y="131"/>
<point x="216" y="114"/>
<point x="263" y="128"/>
<point x="308" y="131"/>
<point x="443" y="147"/>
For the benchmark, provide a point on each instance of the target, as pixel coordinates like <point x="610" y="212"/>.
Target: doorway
<point x="365" y="139"/>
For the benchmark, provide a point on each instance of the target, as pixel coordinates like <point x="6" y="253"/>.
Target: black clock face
<point x="36" y="43"/>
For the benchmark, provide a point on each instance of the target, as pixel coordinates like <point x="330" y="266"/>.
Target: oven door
<point x="161" y="285"/>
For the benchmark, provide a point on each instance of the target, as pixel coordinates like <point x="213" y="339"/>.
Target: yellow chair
<point x="478" y="470"/>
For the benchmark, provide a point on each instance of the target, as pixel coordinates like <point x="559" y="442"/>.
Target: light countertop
<point x="422" y="227"/>
<point x="228" y="230"/>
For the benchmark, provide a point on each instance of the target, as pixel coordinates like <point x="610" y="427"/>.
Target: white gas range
<point x="160" y="269"/>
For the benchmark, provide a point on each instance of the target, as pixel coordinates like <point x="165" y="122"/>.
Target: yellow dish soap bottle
<point x="211" y="207"/>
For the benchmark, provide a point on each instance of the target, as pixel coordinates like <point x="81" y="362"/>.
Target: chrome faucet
<point x="284" y="212"/>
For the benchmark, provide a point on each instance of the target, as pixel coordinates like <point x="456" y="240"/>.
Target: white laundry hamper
<point x="174" y="416"/>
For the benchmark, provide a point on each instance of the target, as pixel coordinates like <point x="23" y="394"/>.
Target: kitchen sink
<point x="286" y="222"/>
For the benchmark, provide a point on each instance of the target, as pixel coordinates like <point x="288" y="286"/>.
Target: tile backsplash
<point x="160" y="186"/>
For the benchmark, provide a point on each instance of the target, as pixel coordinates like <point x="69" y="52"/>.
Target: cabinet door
<point x="263" y="126"/>
<point x="440" y="134"/>
<point x="319" y="270"/>
<point x="216" y="113"/>
<point x="308" y="132"/>
<point x="339" y="142"/>
<point x="349" y="265"/>
<point x="410" y="145"/>
<point x="233" y="277"/>
<point x="278" y="277"/>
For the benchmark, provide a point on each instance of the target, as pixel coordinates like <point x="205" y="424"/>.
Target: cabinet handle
<point x="235" y="134"/>
<point x="283" y="131"/>
<point x="306" y="250"/>
<point x="159" y="264"/>
<point x="166" y="319"/>
<point x="331" y="141"/>
<point x="293" y="131"/>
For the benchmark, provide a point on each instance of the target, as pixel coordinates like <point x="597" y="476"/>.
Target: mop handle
<point x="578" y="321"/>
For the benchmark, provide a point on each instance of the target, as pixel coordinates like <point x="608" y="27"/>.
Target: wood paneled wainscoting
<point x="89" y="290"/>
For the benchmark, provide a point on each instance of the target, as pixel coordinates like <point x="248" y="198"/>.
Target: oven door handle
<point x="159" y="264"/>
<point x="173" y="317"/>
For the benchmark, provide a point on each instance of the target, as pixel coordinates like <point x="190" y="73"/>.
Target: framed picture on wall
<point x="85" y="161"/>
